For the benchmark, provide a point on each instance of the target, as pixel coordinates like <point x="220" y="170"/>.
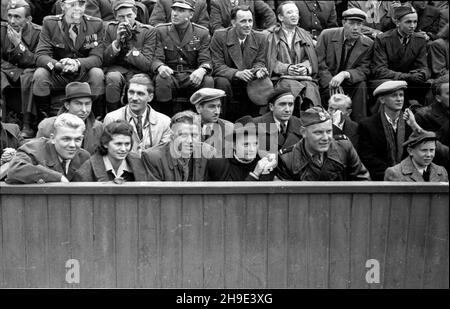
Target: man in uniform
<point x="70" y="49"/>
<point x="129" y="49"/>
<point x="20" y="38"/>
<point x="162" y="13"/>
<point x="319" y="157"/>
<point x="182" y="61"/>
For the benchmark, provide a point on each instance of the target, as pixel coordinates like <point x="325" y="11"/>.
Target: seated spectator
<point x="401" y="54"/>
<point x="340" y="109"/>
<point x="291" y="57"/>
<point x="113" y="160"/>
<point x="246" y="163"/>
<point x="315" y="16"/>
<point x="238" y="56"/>
<point x="162" y="13"/>
<point x="438" y="54"/>
<point x="435" y="117"/>
<point x="280" y="123"/>
<point x="418" y="166"/>
<point x="344" y="59"/>
<point x="319" y="157"/>
<point x="129" y="49"/>
<point x="56" y="159"/>
<point x="428" y="19"/>
<point x="184" y="157"/>
<point x="78" y="102"/>
<point x="150" y="128"/>
<point x="182" y="62"/>
<point x="220" y="16"/>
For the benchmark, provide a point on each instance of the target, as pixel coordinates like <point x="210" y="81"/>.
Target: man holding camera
<point x="129" y="49"/>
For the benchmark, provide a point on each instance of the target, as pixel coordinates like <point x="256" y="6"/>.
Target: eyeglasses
<point x="79" y="3"/>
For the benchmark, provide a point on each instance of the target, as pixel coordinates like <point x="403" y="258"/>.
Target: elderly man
<point x="20" y="38"/>
<point x="129" y="49"/>
<point x="344" y="59"/>
<point x="238" y="55"/>
<point x="162" y="13"/>
<point x="340" y="109"/>
<point x="182" y="62"/>
<point x="291" y="57"/>
<point x="51" y="160"/>
<point x="150" y="128"/>
<point x="319" y="157"/>
<point x="70" y="49"/>
<point x="78" y="102"/>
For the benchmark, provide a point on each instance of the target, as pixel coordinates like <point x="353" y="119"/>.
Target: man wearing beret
<point x="401" y="54"/>
<point x="129" y="49"/>
<point x="162" y="13"/>
<point x="318" y="156"/>
<point x="344" y="60"/>
<point x="20" y="38"/>
<point x="182" y="62"/>
<point x="70" y="49"/>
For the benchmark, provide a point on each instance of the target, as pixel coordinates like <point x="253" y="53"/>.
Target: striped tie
<point x="73" y="33"/>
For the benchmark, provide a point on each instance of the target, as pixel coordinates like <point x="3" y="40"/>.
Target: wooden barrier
<point x="225" y="235"/>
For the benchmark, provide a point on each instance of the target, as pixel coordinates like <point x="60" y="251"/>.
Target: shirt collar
<point x="420" y="169"/>
<point x="394" y="122"/>
<point x="122" y="168"/>
<point x="134" y="116"/>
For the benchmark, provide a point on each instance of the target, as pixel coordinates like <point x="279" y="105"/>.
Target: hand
<point x="265" y="165"/>
<point x="410" y="119"/>
<point x="417" y="77"/>
<point x="14" y="36"/>
<point x="245" y="75"/>
<point x="71" y="66"/>
<point x="337" y="80"/>
<point x="165" y="71"/>
<point x="196" y="77"/>
<point x="424" y="35"/>
<point x="64" y="179"/>
<point x="121" y="32"/>
<point x="7" y="155"/>
<point x="337" y="117"/>
<point x="261" y="73"/>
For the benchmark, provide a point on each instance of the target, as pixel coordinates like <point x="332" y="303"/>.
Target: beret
<point x="16" y="4"/>
<point x="403" y="10"/>
<point x="117" y="4"/>
<point x="184" y="4"/>
<point x="416" y="138"/>
<point x="259" y="91"/>
<point x="279" y="93"/>
<point x="354" y="13"/>
<point x="206" y="94"/>
<point x="389" y="87"/>
<point x="313" y="115"/>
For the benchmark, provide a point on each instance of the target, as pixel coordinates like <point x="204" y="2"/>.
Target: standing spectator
<point x="162" y="13"/>
<point x="221" y="13"/>
<point x="428" y="19"/>
<point x="129" y="49"/>
<point x="438" y="54"/>
<point x="344" y="59"/>
<point x="315" y="16"/>
<point x="340" y="109"/>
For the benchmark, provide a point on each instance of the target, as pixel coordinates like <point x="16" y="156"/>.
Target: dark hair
<point x="443" y="34"/>
<point x="117" y="127"/>
<point x="142" y="79"/>
<point x="239" y="8"/>
<point x="437" y="84"/>
<point x="281" y="5"/>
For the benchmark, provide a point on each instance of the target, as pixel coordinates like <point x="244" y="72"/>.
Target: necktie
<point x="316" y="159"/>
<point x="404" y="41"/>
<point x="242" y="46"/>
<point x="64" y="166"/>
<point x="283" y="128"/>
<point x="73" y="33"/>
<point x="139" y="126"/>
<point x="426" y="174"/>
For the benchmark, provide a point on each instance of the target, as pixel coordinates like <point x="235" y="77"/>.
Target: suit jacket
<point x="435" y="118"/>
<point x="438" y="57"/>
<point x="406" y="171"/>
<point x="429" y="21"/>
<point x="55" y="43"/>
<point x="227" y="57"/>
<point x="329" y="51"/>
<point x="162" y="13"/>
<point x="350" y="130"/>
<point x="94" y="169"/>
<point x="315" y="16"/>
<point x="220" y="17"/>
<point x="391" y="59"/>
<point x="37" y="162"/>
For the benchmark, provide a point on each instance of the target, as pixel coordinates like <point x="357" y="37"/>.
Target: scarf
<point x="394" y="139"/>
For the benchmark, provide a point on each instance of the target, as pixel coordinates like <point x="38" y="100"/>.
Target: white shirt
<point x="393" y="123"/>
<point x="278" y="123"/>
<point x="122" y="168"/>
<point x="66" y="168"/>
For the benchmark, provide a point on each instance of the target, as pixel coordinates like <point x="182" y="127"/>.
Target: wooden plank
<point x="170" y="242"/>
<point x="14" y="241"/>
<point x="298" y="238"/>
<point x="82" y="232"/>
<point x="192" y="241"/>
<point x="277" y="241"/>
<point x="126" y="241"/>
<point x="149" y="208"/>
<point x="59" y="242"/>
<point x="340" y="214"/>
<point x="415" y="256"/>
<point x="2" y="256"/>
<point x="359" y="242"/>
<point x="213" y="241"/>
<point x="395" y="273"/>
<point x="36" y="238"/>
<point x="436" y="267"/>
<point x="255" y="240"/>
<point x="104" y="242"/>
<point x="235" y="206"/>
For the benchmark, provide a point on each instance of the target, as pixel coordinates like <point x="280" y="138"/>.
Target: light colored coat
<point x="406" y="171"/>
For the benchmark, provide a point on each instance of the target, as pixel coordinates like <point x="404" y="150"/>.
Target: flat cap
<point x="401" y="11"/>
<point x="184" y="4"/>
<point x="313" y="115"/>
<point x="281" y="94"/>
<point x="354" y="13"/>
<point x="389" y="87"/>
<point x="206" y="94"/>
<point x="16" y="4"/>
<point x="416" y="138"/>
<point x="117" y="4"/>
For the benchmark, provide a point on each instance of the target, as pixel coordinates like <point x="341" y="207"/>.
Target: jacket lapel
<point x="98" y="167"/>
<point x="408" y="169"/>
<point x="435" y="173"/>
<point x="174" y="35"/>
<point x="338" y="41"/>
<point x="53" y="161"/>
<point x="234" y="49"/>
<point x="250" y="51"/>
<point x="81" y="34"/>
<point x="188" y="35"/>
<point x="357" y="51"/>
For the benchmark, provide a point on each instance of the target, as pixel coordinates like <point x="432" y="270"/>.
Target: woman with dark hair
<point x="438" y="55"/>
<point x="113" y="159"/>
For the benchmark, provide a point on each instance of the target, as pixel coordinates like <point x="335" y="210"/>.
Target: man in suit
<point x="51" y="160"/>
<point x="238" y="56"/>
<point x="162" y="13"/>
<point x="340" y="109"/>
<point x="129" y="49"/>
<point x="182" y="62"/>
<point x="70" y="49"/>
<point x="221" y="13"/>
<point x="315" y="16"/>
<point x="344" y="59"/>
